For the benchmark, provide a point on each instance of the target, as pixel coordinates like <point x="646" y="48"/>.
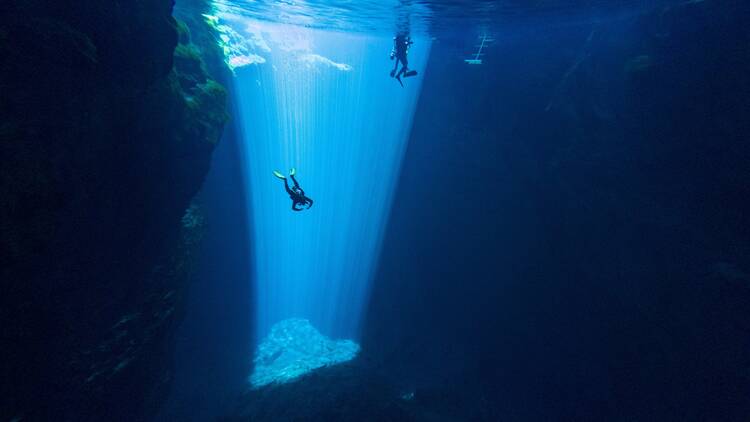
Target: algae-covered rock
<point x="205" y="98"/>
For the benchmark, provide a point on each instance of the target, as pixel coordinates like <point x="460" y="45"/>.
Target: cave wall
<point x="108" y="118"/>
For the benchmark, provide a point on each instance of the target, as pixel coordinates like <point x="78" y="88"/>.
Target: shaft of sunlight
<point x="321" y="102"/>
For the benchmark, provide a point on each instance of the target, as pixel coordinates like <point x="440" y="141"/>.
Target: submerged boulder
<point x="293" y="348"/>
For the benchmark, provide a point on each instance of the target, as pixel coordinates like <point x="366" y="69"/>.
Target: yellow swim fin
<point x="279" y="175"/>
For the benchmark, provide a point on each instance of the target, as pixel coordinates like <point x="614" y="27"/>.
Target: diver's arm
<point x="309" y="203"/>
<point x="294" y="206"/>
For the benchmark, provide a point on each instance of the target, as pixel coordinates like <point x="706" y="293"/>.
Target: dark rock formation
<point x="345" y="392"/>
<point x="103" y="143"/>
<point x="353" y="391"/>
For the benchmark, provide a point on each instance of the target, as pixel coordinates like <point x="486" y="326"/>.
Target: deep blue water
<point x="567" y="237"/>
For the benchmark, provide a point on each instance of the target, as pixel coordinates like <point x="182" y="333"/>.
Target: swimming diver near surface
<point x="299" y="200"/>
<point x="400" y="51"/>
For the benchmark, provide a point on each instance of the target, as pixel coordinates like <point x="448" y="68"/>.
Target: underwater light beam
<point x="323" y="103"/>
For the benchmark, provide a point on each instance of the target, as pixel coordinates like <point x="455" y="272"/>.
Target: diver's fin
<point x="279" y="175"/>
<point x="399" y="80"/>
<point x="410" y="73"/>
<point x="293" y="171"/>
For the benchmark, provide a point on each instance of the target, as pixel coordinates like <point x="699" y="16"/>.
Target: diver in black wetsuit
<point x="401" y="44"/>
<point x="299" y="200"/>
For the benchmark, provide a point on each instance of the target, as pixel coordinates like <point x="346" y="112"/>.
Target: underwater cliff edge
<point x="108" y="118"/>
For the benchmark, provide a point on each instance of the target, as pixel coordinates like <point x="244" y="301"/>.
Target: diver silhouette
<point x="401" y="44"/>
<point x="299" y="200"/>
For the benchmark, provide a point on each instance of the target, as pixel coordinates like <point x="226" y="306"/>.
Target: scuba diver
<point x="400" y="50"/>
<point x="299" y="200"/>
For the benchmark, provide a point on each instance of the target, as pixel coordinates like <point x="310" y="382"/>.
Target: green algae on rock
<point x="205" y="98"/>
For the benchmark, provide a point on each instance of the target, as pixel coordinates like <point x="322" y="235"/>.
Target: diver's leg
<point x="400" y="72"/>
<point x="398" y="75"/>
<point x="404" y="67"/>
<point x="296" y="185"/>
<point x="286" y="186"/>
<point x="395" y="67"/>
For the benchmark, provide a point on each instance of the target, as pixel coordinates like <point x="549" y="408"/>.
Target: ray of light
<point x="323" y="103"/>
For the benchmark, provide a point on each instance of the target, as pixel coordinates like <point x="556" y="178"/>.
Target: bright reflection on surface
<point x="323" y="103"/>
<point x="373" y="16"/>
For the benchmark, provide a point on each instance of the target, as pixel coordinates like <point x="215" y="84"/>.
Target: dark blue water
<point x="568" y="236"/>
